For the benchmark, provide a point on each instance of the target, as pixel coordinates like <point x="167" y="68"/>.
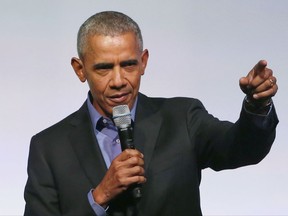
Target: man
<point x="76" y="167"/>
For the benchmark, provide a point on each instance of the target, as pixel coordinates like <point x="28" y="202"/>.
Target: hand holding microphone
<point x="122" y="120"/>
<point x="126" y="171"/>
<point x="122" y="175"/>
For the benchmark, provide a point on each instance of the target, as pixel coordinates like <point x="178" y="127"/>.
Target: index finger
<point x="128" y="153"/>
<point x="259" y="68"/>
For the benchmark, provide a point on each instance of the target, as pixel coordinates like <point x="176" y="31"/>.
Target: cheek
<point x="134" y="81"/>
<point x="97" y="86"/>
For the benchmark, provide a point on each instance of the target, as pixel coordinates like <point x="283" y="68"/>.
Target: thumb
<point x="244" y="84"/>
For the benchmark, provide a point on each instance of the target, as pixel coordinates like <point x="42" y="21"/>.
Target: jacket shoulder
<point x="174" y="103"/>
<point x="63" y="126"/>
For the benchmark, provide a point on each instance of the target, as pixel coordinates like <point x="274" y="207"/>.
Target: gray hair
<point x="107" y="23"/>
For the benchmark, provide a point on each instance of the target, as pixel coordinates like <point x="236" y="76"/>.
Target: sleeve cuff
<point x="99" y="210"/>
<point x="261" y="111"/>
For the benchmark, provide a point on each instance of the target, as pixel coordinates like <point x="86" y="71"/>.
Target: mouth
<point x="119" y="98"/>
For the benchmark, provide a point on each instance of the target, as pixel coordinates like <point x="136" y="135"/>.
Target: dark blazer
<point x="178" y="139"/>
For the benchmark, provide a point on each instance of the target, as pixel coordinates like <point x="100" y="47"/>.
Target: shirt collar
<point x="95" y="115"/>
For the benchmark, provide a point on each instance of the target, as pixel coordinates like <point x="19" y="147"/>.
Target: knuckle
<point x="127" y="151"/>
<point x="134" y="160"/>
<point x="139" y="170"/>
<point x="117" y="176"/>
<point x="121" y="181"/>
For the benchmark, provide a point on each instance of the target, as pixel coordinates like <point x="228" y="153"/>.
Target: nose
<point x="117" y="79"/>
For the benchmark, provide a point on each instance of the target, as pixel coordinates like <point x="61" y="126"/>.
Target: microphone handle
<point x="126" y="140"/>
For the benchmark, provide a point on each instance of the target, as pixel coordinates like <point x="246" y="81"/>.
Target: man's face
<point x="113" y="67"/>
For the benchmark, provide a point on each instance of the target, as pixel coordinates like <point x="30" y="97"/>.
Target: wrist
<point x="257" y="106"/>
<point x="100" y="197"/>
<point x="257" y="103"/>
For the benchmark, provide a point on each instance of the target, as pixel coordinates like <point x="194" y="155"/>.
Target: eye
<point x="103" y="68"/>
<point x="129" y="65"/>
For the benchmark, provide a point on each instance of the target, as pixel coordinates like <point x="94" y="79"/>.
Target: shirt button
<point x="117" y="141"/>
<point x="105" y="121"/>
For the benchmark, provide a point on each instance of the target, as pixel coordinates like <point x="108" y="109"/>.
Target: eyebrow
<point x="126" y="63"/>
<point x="129" y="62"/>
<point x="103" y="66"/>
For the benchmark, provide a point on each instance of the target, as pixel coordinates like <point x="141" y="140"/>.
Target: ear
<point x="78" y="67"/>
<point x="144" y="59"/>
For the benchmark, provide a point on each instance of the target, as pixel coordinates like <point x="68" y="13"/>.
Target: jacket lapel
<point x="86" y="147"/>
<point x="147" y="126"/>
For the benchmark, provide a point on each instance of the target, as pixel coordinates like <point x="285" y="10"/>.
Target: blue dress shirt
<point x="104" y="141"/>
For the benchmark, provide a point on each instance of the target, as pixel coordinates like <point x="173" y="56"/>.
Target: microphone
<point x="122" y="120"/>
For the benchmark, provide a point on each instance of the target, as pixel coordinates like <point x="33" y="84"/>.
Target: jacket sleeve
<point x="225" y="145"/>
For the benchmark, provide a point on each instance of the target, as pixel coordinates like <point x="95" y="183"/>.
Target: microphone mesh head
<point x="121" y="116"/>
